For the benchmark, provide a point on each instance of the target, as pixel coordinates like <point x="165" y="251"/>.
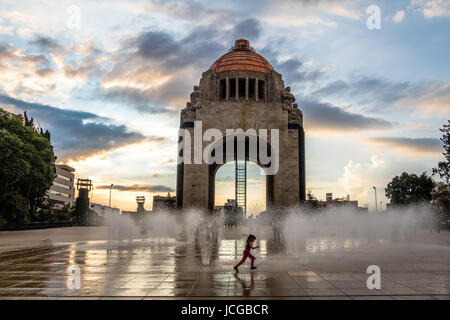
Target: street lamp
<point x="376" y="204"/>
<point x="110" y="188"/>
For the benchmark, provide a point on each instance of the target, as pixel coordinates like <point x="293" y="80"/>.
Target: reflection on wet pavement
<point x="169" y="267"/>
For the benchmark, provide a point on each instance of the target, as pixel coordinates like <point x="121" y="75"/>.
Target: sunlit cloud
<point x="138" y="187"/>
<point x="399" y="16"/>
<point x="432" y="8"/>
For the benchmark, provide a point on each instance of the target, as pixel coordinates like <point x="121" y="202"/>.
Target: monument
<point x="241" y="90"/>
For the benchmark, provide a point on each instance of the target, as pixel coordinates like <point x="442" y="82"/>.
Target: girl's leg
<point x="242" y="261"/>
<point x="252" y="258"/>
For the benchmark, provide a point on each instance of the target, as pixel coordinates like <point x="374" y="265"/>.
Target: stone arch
<point x="214" y="167"/>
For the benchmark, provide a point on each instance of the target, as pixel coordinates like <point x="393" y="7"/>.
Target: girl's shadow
<point x="246" y="289"/>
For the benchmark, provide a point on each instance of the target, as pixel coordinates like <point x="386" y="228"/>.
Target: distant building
<point x="62" y="190"/>
<point x="344" y="201"/>
<point x="140" y="211"/>
<point x="233" y="215"/>
<point x="161" y="203"/>
<point x="103" y="210"/>
<point x="340" y="202"/>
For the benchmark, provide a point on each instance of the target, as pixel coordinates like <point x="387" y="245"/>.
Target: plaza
<point x="34" y="265"/>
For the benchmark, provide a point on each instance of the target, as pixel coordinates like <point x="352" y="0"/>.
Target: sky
<point x="108" y="79"/>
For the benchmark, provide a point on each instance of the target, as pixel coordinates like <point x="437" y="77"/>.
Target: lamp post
<point x="376" y="204"/>
<point x="110" y="188"/>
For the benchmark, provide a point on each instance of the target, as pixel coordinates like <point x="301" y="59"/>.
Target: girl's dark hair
<point x="251" y="237"/>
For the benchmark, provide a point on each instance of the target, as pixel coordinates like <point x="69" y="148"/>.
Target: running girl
<point x="251" y="238"/>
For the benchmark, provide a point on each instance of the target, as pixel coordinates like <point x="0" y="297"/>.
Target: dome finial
<point x="242" y="44"/>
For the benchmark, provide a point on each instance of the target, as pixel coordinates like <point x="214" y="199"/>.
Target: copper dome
<point x="241" y="58"/>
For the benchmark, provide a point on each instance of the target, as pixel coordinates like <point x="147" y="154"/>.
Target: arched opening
<point x="256" y="170"/>
<point x="225" y="189"/>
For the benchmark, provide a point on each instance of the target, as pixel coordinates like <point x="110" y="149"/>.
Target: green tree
<point x="443" y="168"/>
<point x="441" y="195"/>
<point x="27" y="170"/>
<point x="311" y="201"/>
<point x="410" y="188"/>
<point x="441" y="200"/>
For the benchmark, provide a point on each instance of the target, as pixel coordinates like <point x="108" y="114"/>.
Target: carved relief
<point x="197" y="98"/>
<point x="287" y="98"/>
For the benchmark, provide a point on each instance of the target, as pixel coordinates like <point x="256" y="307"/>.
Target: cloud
<point x="82" y="69"/>
<point x="153" y="70"/>
<point x="7" y="30"/>
<point x="35" y="60"/>
<point x="76" y="134"/>
<point x="324" y="116"/>
<point x="168" y="161"/>
<point x="399" y="16"/>
<point x="199" y="48"/>
<point x="156" y="44"/>
<point x="138" y="188"/>
<point x="87" y="47"/>
<point x="249" y="29"/>
<point x="375" y="94"/>
<point x="433" y="8"/>
<point x="47" y="44"/>
<point x="45" y="72"/>
<point x="293" y="71"/>
<point x="311" y="14"/>
<point x="7" y="51"/>
<point x="415" y="146"/>
<point x="359" y="178"/>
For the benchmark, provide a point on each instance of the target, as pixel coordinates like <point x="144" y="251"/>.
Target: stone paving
<point x="152" y="268"/>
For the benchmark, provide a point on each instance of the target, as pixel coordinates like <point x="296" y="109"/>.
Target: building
<point x="62" y="190"/>
<point x="340" y="202"/>
<point x="161" y="203"/>
<point x="344" y="201"/>
<point x="103" y="210"/>
<point x="140" y="211"/>
<point x="233" y="215"/>
<point x="241" y="90"/>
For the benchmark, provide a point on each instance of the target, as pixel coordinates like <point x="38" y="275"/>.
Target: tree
<point x="441" y="196"/>
<point x="443" y="168"/>
<point x="441" y="200"/>
<point x="311" y="201"/>
<point x="410" y="188"/>
<point x="27" y="170"/>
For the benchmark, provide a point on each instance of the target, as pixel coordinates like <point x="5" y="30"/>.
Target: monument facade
<point x="241" y="90"/>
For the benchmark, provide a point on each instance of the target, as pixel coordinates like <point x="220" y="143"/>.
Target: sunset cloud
<point x="410" y="145"/>
<point x="138" y="187"/>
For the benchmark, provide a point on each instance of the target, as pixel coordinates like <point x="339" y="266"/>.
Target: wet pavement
<point x="150" y="268"/>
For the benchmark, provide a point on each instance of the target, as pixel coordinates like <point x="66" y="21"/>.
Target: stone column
<point x="227" y="89"/>
<point x="246" y="88"/>
<point x="237" y="89"/>
<point x="301" y="165"/>
<point x="266" y="86"/>
<point x="256" y="90"/>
